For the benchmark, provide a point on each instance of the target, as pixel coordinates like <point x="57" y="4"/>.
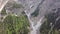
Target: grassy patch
<point x="16" y="25"/>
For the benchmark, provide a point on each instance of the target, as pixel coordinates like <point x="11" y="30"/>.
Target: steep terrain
<point x="35" y="10"/>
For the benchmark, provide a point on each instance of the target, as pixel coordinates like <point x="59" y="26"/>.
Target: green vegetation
<point x="1" y="27"/>
<point x="3" y="12"/>
<point x="50" y="25"/>
<point x="16" y="25"/>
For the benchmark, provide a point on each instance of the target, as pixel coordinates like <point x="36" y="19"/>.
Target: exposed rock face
<point x="39" y="7"/>
<point x="57" y="15"/>
<point x="44" y="6"/>
<point x="2" y="4"/>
